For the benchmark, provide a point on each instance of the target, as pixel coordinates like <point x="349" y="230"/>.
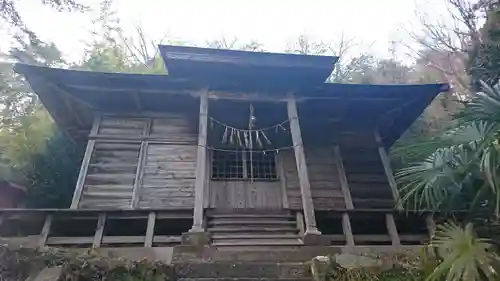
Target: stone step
<point x="252" y="253"/>
<point x="254" y="236"/>
<point x="258" y="242"/>
<point x="242" y="270"/>
<point x="244" y="279"/>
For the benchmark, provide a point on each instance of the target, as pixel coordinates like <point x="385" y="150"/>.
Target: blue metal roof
<point x="245" y="69"/>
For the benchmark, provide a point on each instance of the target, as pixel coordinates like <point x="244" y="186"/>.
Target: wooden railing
<point x="394" y="234"/>
<point x="89" y="228"/>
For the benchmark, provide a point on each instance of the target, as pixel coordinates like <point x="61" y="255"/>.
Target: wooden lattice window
<point x="244" y="165"/>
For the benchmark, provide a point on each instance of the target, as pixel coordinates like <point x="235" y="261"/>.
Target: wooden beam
<point x="99" y="232"/>
<point x="392" y="229"/>
<point x="45" y="231"/>
<point x="148" y="242"/>
<point x="300" y="159"/>
<point x="77" y="195"/>
<point x="201" y="162"/>
<point x="143" y="153"/>
<point x="387" y="169"/>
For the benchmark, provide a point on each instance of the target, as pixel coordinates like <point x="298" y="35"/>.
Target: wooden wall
<point x="164" y="148"/>
<point x="365" y="172"/>
<point x="245" y="195"/>
<point x="323" y="177"/>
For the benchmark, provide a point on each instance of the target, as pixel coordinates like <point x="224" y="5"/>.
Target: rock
<point x="319" y="267"/>
<point x="356" y="261"/>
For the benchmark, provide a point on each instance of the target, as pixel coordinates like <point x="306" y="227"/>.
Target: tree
<point x="9" y="13"/>
<point x="484" y="63"/>
<point x="234" y="44"/>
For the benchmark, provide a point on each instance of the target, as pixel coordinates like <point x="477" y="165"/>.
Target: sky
<point x="372" y="23"/>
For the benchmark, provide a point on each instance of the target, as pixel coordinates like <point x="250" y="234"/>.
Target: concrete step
<point x="250" y="215"/>
<point x="254" y="236"/>
<point x="242" y="270"/>
<point x="246" y="229"/>
<point x="250" y="222"/>
<point x="258" y="242"/>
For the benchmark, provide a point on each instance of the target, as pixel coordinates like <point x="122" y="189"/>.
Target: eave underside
<point x="72" y="97"/>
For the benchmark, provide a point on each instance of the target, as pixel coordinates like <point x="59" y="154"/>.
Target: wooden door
<point x="246" y="195"/>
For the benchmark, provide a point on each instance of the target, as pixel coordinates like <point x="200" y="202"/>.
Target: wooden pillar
<point x="431" y="225"/>
<point x="392" y="229"/>
<point x="99" y="232"/>
<point x="77" y="195"/>
<point x="346" y="192"/>
<point x="300" y="222"/>
<point x="141" y="162"/>
<point x="387" y="168"/>
<point x="300" y="158"/>
<point x="389" y="219"/>
<point x="45" y="231"/>
<point x="201" y="162"/>
<point x="148" y="242"/>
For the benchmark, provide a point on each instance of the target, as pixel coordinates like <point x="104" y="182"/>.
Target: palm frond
<point x="464" y="255"/>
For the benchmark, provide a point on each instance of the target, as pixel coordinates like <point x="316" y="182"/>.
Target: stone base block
<point x="196" y="238"/>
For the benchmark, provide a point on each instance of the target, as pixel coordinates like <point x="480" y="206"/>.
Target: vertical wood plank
<point x="45" y="231"/>
<point x="392" y="229"/>
<point x="387" y="169"/>
<point x="148" y="242"/>
<point x="99" y="232"/>
<point x="347" y="229"/>
<point x="201" y="162"/>
<point x="300" y="159"/>
<point x="77" y="195"/>
<point x="300" y="222"/>
<point x="431" y="225"/>
<point x="141" y="162"/>
<point x="282" y="177"/>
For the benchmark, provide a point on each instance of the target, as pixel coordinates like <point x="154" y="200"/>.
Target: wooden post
<point x="99" y="232"/>
<point x="300" y="158"/>
<point x="392" y="229"/>
<point x="139" y="172"/>
<point x="346" y="192"/>
<point x="387" y="168"/>
<point x="431" y="225"/>
<point x="148" y="242"/>
<point x="201" y="162"/>
<point x="346" y="227"/>
<point x="300" y="222"/>
<point x="77" y="195"/>
<point x="45" y="231"/>
<point x="282" y="178"/>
